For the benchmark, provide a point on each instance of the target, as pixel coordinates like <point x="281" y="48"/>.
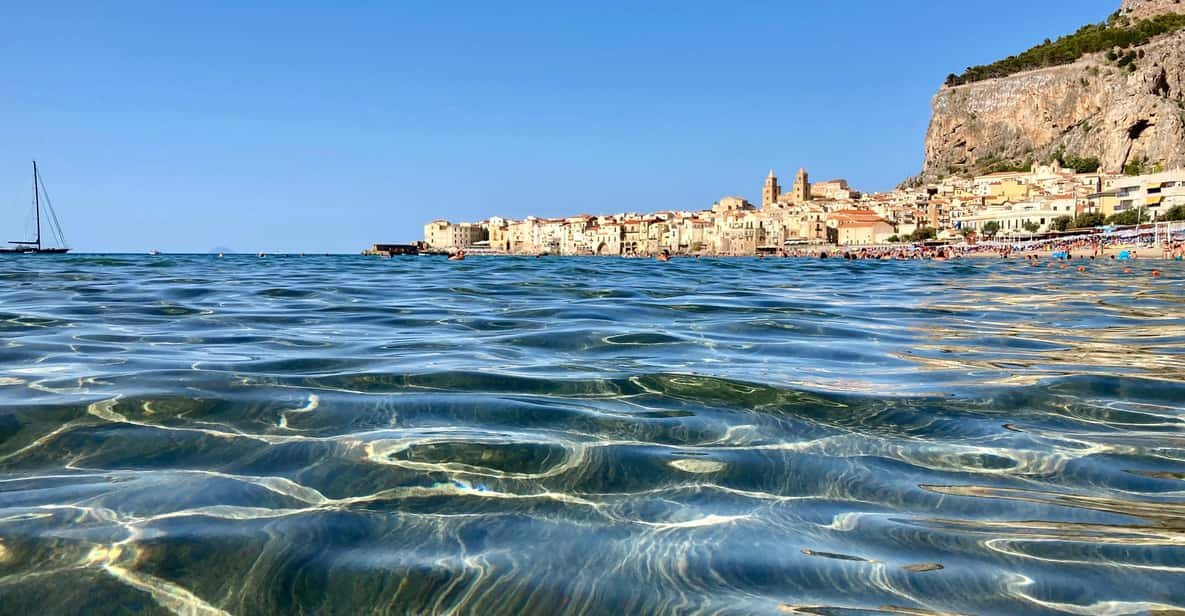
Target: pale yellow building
<point x="858" y="227"/>
<point x="443" y="235"/>
<point x="864" y="233"/>
<point x="498" y="232"/>
<point x="1154" y="193"/>
<point x="1010" y="190"/>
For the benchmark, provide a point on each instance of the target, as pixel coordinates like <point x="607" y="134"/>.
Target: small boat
<point x="154" y="252"/>
<point x="35" y="246"/>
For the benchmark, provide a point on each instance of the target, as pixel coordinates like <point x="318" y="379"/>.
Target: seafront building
<point x="829" y="213"/>
<point x="1155" y="193"/>
<point x="444" y="235"/>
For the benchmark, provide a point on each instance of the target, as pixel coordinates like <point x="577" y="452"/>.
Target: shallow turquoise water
<point x="520" y="436"/>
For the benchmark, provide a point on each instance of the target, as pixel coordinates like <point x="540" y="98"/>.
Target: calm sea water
<point x="350" y="435"/>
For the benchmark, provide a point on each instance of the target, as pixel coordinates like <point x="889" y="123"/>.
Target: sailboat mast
<point x="37" y="204"/>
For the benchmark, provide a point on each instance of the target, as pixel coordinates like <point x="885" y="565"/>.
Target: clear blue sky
<point x="326" y="126"/>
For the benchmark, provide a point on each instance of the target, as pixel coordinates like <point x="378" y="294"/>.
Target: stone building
<point x="606" y="239"/>
<point x="740" y="232"/>
<point x="576" y="239"/>
<point x="731" y="204"/>
<point x="833" y="190"/>
<point x="443" y="235"/>
<point x="498" y="231"/>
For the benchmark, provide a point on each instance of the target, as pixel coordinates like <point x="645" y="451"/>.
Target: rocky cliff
<point x="1143" y="9"/>
<point x="1118" y="112"/>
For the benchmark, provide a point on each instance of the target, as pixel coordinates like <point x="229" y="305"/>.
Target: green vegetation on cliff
<point x="1116" y="33"/>
<point x="992" y="164"/>
<point x="1080" y="165"/>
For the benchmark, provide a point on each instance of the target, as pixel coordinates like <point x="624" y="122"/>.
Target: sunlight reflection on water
<point x="344" y="435"/>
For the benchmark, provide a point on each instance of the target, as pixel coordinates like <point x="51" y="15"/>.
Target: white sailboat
<point x="35" y="246"/>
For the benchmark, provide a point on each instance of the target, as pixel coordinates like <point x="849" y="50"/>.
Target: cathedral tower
<point x="802" y="187"/>
<point x="769" y="194"/>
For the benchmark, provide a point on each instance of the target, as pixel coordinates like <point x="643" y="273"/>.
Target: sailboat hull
<point x="34" y="251"/>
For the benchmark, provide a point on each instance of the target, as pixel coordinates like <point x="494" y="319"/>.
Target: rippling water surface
<point x="507" y="436"/>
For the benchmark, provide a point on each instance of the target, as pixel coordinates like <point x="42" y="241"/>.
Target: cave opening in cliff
<point x="1161" y="86"/>
<point x="1137" y="129"/>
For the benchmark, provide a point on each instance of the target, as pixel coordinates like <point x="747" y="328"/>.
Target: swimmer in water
<point x="458" y="256"/>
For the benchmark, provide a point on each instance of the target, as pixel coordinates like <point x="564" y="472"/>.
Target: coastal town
<point x="1041" y="201"/>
